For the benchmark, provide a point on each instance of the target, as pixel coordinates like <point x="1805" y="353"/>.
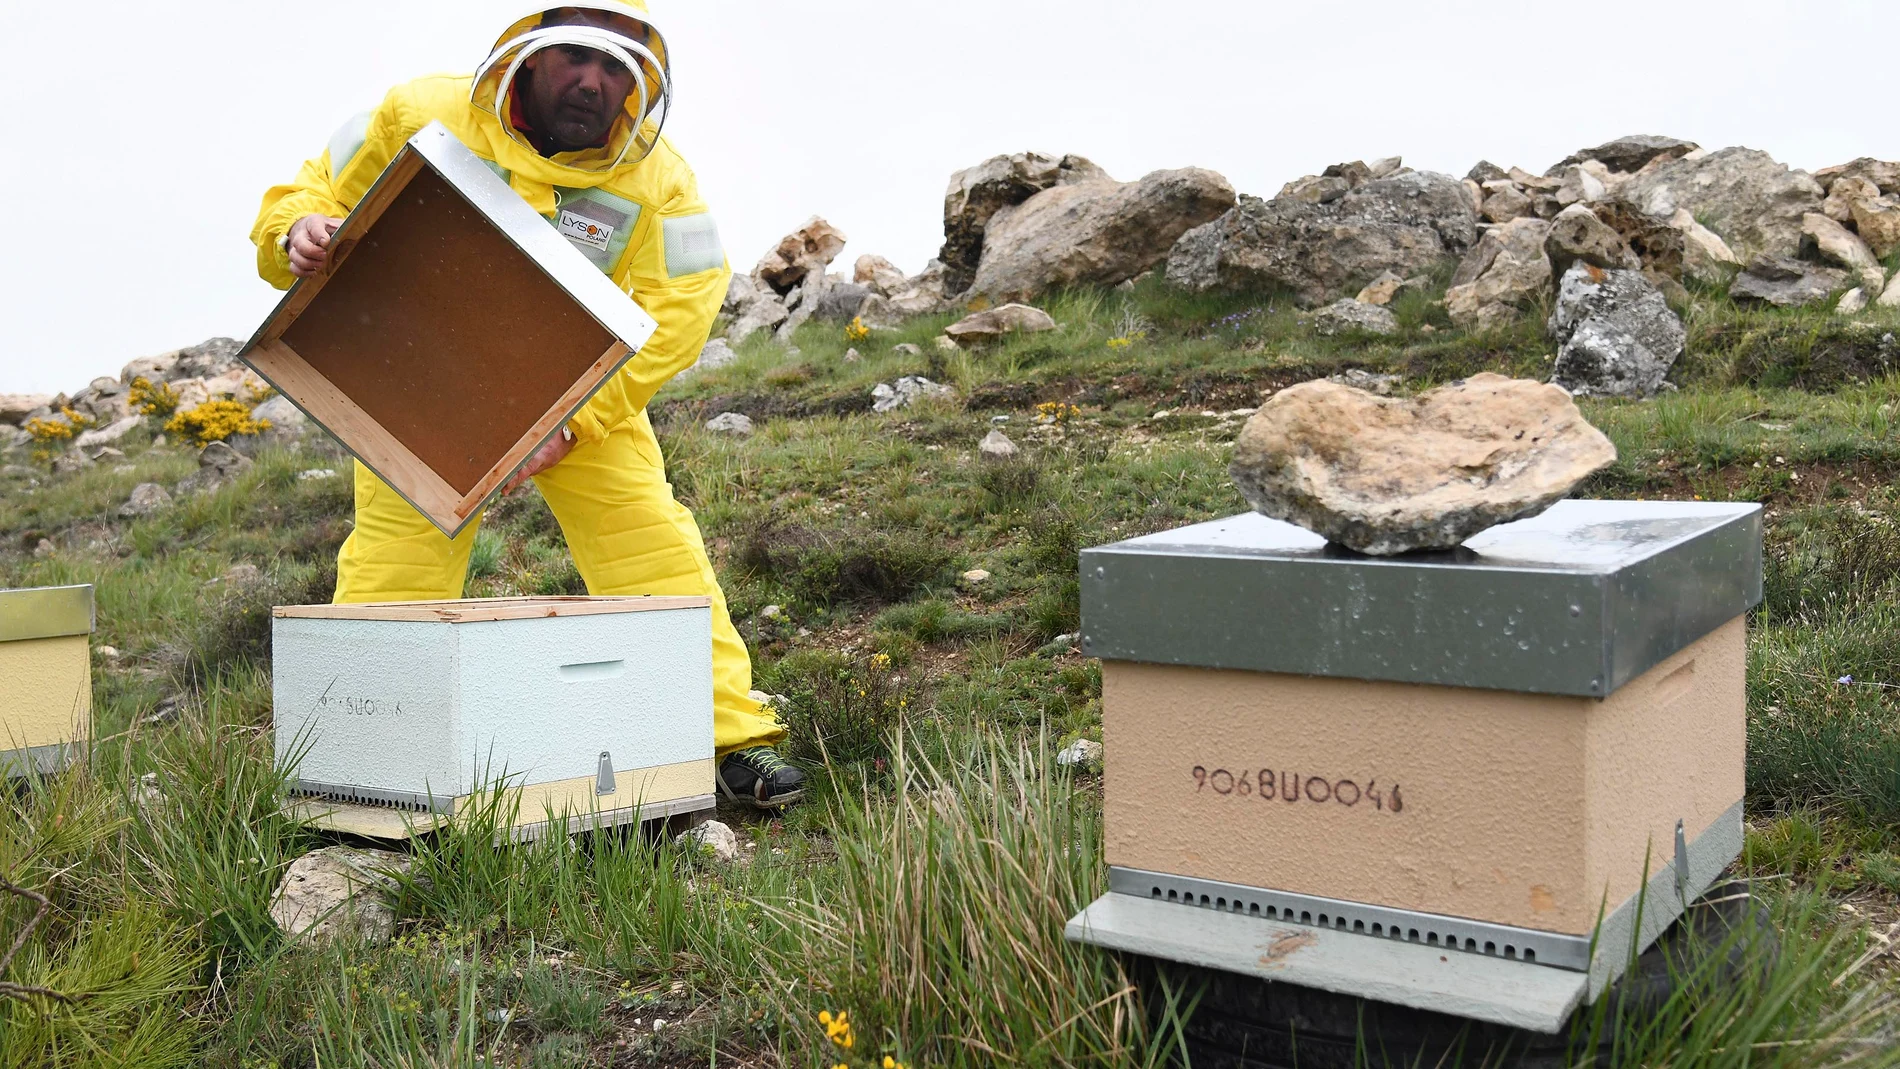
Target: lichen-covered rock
<point x="1349" y="314"/>
<point x="737" y="424"/>
<point x="886" y="397"/>
<point x="339" y="892"/>
<point x="978" y="193"/>
<point x="1385" y="476"/>
<point x="1506" y="272"/>
<point x="1786" y="282"/>
<point x="1578" y="235"/>
<point x="146" y="499"/>
<point x="1406" y="224"/>
<point x="1095" y="233"/>
<point x="1616" y="334"/>
<point x="1755" y="203"/>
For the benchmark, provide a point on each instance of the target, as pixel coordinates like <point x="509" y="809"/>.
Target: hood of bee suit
<point x="634" y="133"/>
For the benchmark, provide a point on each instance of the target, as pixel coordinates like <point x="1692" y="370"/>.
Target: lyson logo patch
<point x="584" y="230"/>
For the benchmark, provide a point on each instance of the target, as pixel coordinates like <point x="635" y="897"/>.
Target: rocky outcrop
<point x="905" y="392"/>
<point x="1406" y="224"/>
<point x="1386" y="476"/>
<point x="881" y="275"/>
<point x="1616" y="335"/>
<point x="987" y="326"/>
<point x="1786" y="282"/>
<point x="1505" y="273"/>
<point x="810" y="248"/>
<point x="978" y="193"/>
<point x="1828" y="241"/>
<point x="17" y="408"/>
<point x="1629" y="154"/>
<point x="1706" y="258"/>
<point x="1755" y="203"/>
<point x="1097" y="232"/>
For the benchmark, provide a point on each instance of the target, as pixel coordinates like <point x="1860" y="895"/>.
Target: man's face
<point x="575" y="93"/>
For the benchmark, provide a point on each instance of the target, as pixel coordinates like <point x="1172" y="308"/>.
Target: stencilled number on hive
<point x="1269" y="785"/>
<point x="353" y="706"/>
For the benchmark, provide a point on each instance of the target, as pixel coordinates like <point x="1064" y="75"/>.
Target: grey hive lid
<point x="1579" y="600"/>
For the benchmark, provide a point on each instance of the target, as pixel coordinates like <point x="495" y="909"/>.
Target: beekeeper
<point x="568" y="109"/>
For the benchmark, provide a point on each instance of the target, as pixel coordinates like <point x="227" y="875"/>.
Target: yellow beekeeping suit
<point x="637" y="216"/>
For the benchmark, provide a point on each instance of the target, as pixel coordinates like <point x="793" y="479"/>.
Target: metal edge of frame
<point x="40" y="760"/>
<point x="1485" y="987"/>
<point x="1661" y="605"/>
<point x="1511" y="993"/>
<point x="614" y="818"/>
<point x="47" y="612"/>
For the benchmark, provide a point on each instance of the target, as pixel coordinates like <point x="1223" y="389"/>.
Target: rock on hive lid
<point x="1579" y="600"/>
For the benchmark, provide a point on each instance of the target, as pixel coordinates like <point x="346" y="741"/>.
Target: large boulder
<point x="150" y="368"/>
<point x="341" y="893"/>
<point x="1386" y="475"/>
<point x="880" y="274"/>
<point x="1884" y="175"/>
<point x="1786" y="282"/>
<point x="1877" y="220"/>
<point x="205" y="360"/>
<point x="1826" y="240"/>
<point x="1628" y="154"/>
<point x="1094" y="233"/>
<point x="1506" y="272"/>
<point x="1577" y="235"/>
<point x="1616" y="335"/>
<point x="978" y="193"/>
<point x="1706" y="258"/>
<point x="17" y="408"/>
<point x="1755" y="203"/>
<point x="1406" y="224"/>
<point x="809" y="249"/>
<point x="764" y="313"/>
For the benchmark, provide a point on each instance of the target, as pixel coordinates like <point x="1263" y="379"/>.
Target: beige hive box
<point x="1487" y="751"/>
<point x="452" y="331"/>
<point x="400" y="715"/>
<point x="45" y="676"/>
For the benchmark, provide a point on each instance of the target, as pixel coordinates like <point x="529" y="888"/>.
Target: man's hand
<point x="309" y="244"/>
<point x="550" y="454"/>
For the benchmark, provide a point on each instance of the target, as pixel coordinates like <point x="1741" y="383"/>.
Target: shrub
<point x="215" y="421"/>
<point x="824" y="568"/>
<point x="839" y="709"/>
<point x="159" y="400"/>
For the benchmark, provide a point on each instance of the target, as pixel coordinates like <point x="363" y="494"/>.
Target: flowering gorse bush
<point x="48" y="431"/>
<point x="152" y="400"/>
<point x="215" y="421"/>
<point x="856" y="330"/>
<point x="1056" y="412"/>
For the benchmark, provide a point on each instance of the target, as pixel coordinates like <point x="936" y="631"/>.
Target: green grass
<point x="923" y="888"/>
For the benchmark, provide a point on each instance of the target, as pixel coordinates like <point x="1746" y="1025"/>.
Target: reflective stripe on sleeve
<point x="347" y="142"/>
<point x="692" y="245"/>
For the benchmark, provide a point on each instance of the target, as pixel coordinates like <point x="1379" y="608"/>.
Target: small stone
<point x="851" y="356"/>
<point x="905" y="348"/>
<point x="733" y="423"/>
<point x="241" y="575"/>
<point x="70" y="462"/>
<point x="999" y="420"/>
<point x="771" y="612"/>
<point x="1381" y="290"/>
<point x="714" y="839"/>
<point x="146" y="499"/>
<point x="987" y="326"/>
<point x="996" y="446"/>
<point x="108" y="453"/>
<point x="1082" y="753"/>
<point x="775" y="700"/>
<point x="316" y="473"/>
<point x="108" y="434"/>
<point x="1386" y="476"/>
<point x="907" y="390"/>
<point x="1348" y="316"/>
<point x="44" y="548"/>
<point x="1578" y="234"/>
<point x="339" y="891"/>
<point x="1359" y="379"/>
<point x="1852" y="301"/>
<point x="976" y="575"/>
<point x="110" y="653"/>
<point x="946" y="344"/>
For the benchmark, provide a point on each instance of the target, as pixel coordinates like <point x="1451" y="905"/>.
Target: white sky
<point x="151" y="130"/>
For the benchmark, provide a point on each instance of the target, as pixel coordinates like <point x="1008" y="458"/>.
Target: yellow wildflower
<point x="214" y="421"/>
<point x="856" y="330"/>
<point x="152" y="400"/>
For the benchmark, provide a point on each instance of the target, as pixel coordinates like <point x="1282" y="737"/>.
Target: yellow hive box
<point x="45" y="676"/>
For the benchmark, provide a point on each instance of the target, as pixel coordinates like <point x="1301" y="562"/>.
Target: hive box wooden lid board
<point x="421" y="705"/>
<point x="451" y="333"/>
<point x="45" y="675"/>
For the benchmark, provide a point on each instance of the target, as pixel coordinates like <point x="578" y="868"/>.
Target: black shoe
<point x="760" y="777"/>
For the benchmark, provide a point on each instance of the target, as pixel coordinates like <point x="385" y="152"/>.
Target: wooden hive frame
<point x="451" y="332"/>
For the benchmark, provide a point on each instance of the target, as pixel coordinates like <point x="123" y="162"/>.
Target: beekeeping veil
<point x="634" y="41"/>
